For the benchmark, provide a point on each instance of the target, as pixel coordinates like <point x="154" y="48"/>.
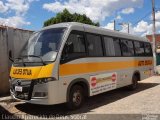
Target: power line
<point x="149" y="13"/>
<point x="142" y="18"/>
<point x="157" y="9"/>
<point x="139" y="19"/>
<point x="145" y="16"/>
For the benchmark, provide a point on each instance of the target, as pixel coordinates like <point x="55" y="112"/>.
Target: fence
<point x="13" y="40"/>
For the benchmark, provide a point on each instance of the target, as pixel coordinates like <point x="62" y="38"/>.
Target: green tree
<point x="66" y="16"/>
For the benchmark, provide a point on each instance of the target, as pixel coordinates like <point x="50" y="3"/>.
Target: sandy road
<point x="143" y="104"/>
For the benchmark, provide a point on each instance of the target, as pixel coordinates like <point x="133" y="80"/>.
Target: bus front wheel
<point x="76" y="97"/>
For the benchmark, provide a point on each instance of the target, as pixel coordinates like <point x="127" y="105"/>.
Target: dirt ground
<point x="120" y="104"/>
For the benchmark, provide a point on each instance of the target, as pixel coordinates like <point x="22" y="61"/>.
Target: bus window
<point x="109" y="46"/>
<point x="127" y="48"/>
<point x="94" y="44"/>
<point x="148" y="49"/>
<point x="117" y="47"/>
<point x="139" y="48"/>
<point x="74" y="47"/>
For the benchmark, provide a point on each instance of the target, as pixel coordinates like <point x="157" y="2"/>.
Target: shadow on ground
<point x="5" y="94"/>
<point x="90" y="104"/>
<point x="6" y="115"/>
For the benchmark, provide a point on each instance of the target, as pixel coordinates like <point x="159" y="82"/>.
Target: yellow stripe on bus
<point x="32" y="72"/>
<point x="82" y="68"/>
<point x="73" y="69"/>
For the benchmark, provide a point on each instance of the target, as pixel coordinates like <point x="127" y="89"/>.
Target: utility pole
<point x="114" y="22"/>
<point x="153" y="35"/>
<point x="128" y="28"/>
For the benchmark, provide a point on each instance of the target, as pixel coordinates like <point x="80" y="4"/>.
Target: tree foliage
<point x="66" y="16"/>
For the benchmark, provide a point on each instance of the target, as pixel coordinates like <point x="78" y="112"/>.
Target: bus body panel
<point x="124" y="71"/>
<point x="101" y="74"/>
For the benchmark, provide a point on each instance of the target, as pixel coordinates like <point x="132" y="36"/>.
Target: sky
<point x="31" y="14"/>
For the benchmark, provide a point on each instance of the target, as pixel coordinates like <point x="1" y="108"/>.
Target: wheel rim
<point x="77" y="97"/>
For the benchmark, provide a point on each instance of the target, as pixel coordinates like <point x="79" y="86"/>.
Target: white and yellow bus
<point x="67" y="62"/>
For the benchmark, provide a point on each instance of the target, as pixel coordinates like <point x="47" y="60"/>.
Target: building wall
<point x="157" y="38"/>
<point x="4" y="84"/>
<point x="13" y="40"/>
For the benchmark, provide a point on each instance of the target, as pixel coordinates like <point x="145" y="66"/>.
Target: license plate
<point x="18" y="88"/>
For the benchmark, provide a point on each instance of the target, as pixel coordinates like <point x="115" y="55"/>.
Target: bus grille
<point x="27" y="88"/>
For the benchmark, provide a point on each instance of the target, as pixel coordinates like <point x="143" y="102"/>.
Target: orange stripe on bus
<point x="82" y="68"/>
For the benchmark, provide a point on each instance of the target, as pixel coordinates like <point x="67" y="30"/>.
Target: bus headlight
<point x="40" y="89"/>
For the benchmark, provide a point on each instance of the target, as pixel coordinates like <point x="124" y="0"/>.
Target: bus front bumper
<point x="43" y="94"/>
<point x="41" y="101"/>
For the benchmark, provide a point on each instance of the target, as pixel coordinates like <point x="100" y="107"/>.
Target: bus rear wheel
<point x="76" y="97"/>
<point x="134" y="84"/>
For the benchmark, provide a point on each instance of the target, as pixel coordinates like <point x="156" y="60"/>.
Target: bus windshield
<point x="43" y="44"/>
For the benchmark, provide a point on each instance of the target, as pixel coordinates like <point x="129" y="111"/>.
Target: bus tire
<point x="134" y="84"/>
<point x="76" y="97"/>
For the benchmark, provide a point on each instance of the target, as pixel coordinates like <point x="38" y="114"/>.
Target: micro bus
<point x="67" y="62"/>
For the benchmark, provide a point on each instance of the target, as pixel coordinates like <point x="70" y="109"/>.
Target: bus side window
<point x="109" y="46"/>
<point x="117" y="47"/>
<point x="74" y="47"/>
<point x="148" y="49"/>
<point x="127" y="48"/>
<point x="94" y="45"/>
<point x="139" y="48"/>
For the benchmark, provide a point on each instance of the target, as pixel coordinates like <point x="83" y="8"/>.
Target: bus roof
<point x="98" y="30"/>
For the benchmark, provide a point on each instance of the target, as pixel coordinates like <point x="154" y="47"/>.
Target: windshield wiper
<point x="35" y="56"/>
<point x="20" y="58"/>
